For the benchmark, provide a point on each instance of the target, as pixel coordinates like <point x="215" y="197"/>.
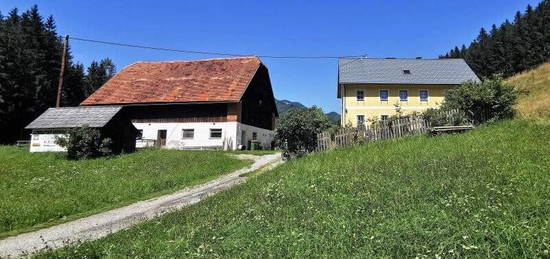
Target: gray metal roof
<point x="70" y="117"/>
<point x="391" y="71"/>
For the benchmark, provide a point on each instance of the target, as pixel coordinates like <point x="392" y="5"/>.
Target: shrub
<point x="489" y="100"/>
<point x="297" y="131"/>
<point x="85" y="142"/>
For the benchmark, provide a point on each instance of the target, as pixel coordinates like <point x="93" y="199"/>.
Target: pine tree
<point x="30" y="59"/>
<point x="98" y="74"/>
<point x="511" y="47"/>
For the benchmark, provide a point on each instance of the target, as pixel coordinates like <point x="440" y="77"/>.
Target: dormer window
<point x="406" y="72"/>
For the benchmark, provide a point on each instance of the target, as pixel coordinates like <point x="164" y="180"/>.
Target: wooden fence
<point x="368" y="133"/>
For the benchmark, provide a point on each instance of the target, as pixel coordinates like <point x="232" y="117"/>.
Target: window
<point x="384" y="95"/>
<point x="360" y="120"/>
<point x="406" y="72"/>
<point x="215" y="133"/>
<point x="403" y="95"/>
<point x="360" y="95"/>
<point x="423" y="95"/>
<point x="254" y="135"/>
<point x="188" y="133"/>
<point x="139" y="134"/>
<point x="384" y="117"/>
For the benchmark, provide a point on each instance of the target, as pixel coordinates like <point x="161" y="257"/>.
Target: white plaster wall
<point x="46" y="143"/>
<point x="263" y="136"/>
<point x="231" y="134"/>
<point x="174" y="134"/>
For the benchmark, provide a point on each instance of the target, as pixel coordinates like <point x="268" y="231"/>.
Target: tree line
<point x="30" y="62"/>
<point x="512" y="47"/>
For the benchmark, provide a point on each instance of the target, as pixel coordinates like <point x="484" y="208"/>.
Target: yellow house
<point x="373" y="89"/>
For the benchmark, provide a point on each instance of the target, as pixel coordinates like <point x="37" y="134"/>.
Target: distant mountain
<point x="334" y="117"/>
<point x="286" y="105"/>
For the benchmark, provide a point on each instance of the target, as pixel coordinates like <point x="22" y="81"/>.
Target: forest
<point x="30" y="62"/>
<point x="512" y="47"/>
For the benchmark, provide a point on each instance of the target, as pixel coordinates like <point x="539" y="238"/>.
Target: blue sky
<point x="305" y="28"/>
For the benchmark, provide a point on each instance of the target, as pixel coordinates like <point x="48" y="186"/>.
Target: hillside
<point x="535" y="92"/>
<point x="65" y="187"/>
<point x="286" y="105"/>
<point x="485" y="193"/>
<point x="334" y="117"/>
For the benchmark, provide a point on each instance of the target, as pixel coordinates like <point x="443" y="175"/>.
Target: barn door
<point x="161" y="138"/>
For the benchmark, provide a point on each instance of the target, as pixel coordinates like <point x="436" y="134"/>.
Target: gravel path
<point x="103" y="224"/>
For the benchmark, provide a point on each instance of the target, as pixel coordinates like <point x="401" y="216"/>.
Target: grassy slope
<point x="535" y="85"/>
<point x="482" y="193"/>
<point x="41" y="189"/>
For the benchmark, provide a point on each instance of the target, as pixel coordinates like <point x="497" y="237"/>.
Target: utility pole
<point x="63" y="57"/>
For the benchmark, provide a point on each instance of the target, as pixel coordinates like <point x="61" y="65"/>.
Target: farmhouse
<point x="372" y="89"/>
<point x="212" y="104"/>
<point x="110" y="120"/>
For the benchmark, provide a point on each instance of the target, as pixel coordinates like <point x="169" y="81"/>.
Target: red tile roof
<point x="209" y="80"/>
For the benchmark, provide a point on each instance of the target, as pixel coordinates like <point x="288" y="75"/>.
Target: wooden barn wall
<point x="178" y="113"/>
<point x="122" y="133"/>
<point x="258" y="104"/>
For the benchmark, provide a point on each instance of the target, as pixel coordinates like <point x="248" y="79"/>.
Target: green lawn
<point x="42" y="189"/>
<point x="485" y="193"/>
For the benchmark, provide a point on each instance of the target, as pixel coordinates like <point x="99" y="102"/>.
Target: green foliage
<point x="85" y="142"/>
<point x="98" y="74"/>
<point x="30" y="60"/>
<point x="511" y="47"/>
<point x="42" y="189"/>
<point x="297" y="130"/>
<point x="490" y="100"/>
<point x="484" y="193"/>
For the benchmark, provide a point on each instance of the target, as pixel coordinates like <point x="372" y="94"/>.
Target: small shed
<point x="110" y="120"/>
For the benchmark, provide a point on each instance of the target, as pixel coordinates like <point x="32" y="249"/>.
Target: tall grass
<point x="41" y="189"/>
<point x="485" y="193"/>
<point x="535" y="87"/>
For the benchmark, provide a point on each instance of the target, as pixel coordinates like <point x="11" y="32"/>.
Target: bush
<point x="297" y="131"/>
<point x="489" y="100"/>
<point x="85" y="142"/>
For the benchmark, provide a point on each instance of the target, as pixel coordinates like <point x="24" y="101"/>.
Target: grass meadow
<point x="484" y="193"/>
<point x="535" y="92"/>
<point x="43" y="189"/>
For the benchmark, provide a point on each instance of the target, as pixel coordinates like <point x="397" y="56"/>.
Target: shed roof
<point x="70" y="117"/>
<point x="392" y="71"/>
<point x="208" y="80"/>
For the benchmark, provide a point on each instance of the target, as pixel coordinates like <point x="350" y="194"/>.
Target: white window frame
<point x="357" y="119"/>
<point x="380" y="96"/>
<point x="399" y="94"/>
<point x="420" y="96"/>
<point x="357" y="95"/>
<point x="183" y="133"/>
<point x="387" y="117"/>
<point x="221" y="133"/>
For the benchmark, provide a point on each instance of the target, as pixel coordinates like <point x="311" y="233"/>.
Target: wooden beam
<point x="62" y="71"/>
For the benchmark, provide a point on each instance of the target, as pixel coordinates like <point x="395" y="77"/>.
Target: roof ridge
<point x="197" y="60"/>
<point x="406" y="58"/>
<point x="87" y="106"/>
